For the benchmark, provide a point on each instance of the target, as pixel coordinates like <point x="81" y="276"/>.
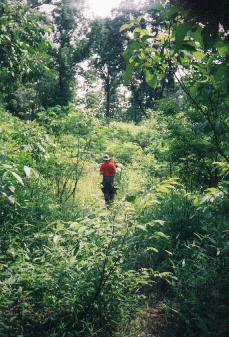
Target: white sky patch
<point x="102" y="8"/>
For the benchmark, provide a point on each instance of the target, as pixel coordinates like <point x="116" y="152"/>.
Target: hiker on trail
<point x="108" y="170"/>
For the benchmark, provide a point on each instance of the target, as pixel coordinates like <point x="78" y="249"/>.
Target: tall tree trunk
<point x="137" y="100"/>
<point x="108" y="97"/>
<point x="60" y="74"/>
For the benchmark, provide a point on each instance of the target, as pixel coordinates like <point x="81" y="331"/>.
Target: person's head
<point x="106" y="157"/>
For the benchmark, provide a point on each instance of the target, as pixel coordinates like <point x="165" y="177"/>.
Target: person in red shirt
<point x="108" y="171"/>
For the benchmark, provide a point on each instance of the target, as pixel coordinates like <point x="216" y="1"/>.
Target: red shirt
<point x="108" y="169"/>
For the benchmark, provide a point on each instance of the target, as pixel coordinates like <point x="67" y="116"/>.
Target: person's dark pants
<point x="108" y="189"/>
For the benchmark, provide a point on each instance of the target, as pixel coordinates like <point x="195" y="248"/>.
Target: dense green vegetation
<point x="155" y="97"/>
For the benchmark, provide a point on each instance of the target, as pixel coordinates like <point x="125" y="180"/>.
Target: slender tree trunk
<point x="61" y="78"/>
<point x="137" y="100"/>
<point x="108" y="97"/>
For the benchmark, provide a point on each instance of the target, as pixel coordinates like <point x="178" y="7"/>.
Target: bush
<point x="124" y="153"/>
<point x="68" y="279"/>
<point x="169" y="107"/>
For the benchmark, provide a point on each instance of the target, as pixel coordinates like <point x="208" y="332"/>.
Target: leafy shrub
<point x="178" y="236"/>
<point x="125" y="153"/>
<point x="68" y="279"/>
<point x="169" y="107"/>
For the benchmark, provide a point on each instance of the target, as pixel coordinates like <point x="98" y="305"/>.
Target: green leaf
<point x="12" y="189"/>
<point x="160" y="222"/>
<point x="168" y="252"/>
<point x="56" y="239"/>
<point x="6" y="166"/>
<point x="173" y="11"/>
<point x="150" y="79"/>
<point x="199" y="55"/>
<point x="180" y="32"/>
<point x="28" y="171"/>
<point x="223" y="48"/>
<point x="134" y="46"/>
<point x="197" y="35"/>
<point x="142" y="227"/>
<point x="187" y="47"/>
<point x="208" y="40"/>
<point x="12" y="199"/>
<point x="197" y="201"/>
<point x="128" y="73"/>
<point x="221" y="74"/>
<point x="161" y="235"/>
<point x="126" y="26"/>
<point x="152" y="249"/>
<point x="18" y="178"/>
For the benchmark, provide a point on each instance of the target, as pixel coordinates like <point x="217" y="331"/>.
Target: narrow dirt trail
<point x="154" y="321"/>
